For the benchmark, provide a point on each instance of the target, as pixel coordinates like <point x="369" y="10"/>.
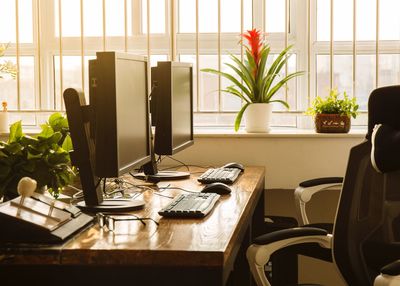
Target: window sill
<point x="276" y="132"/>
<point x="226" y="132"/>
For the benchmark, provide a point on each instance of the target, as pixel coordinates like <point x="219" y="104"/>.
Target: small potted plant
<point x="255" y="82"/>
<point x="333" y="114"/>
<point x="44" y="157"/>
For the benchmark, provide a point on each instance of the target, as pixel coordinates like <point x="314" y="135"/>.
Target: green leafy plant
<point x="44" y="157"/>
<point x="332" y="104"/>
<point x="7" y="67"/>
<point x="256" y="83"/>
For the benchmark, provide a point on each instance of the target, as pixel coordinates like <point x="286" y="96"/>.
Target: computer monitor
<point x="171" y="113"/>
<point x="118" y="117"/>
<point x="121" y="99"/>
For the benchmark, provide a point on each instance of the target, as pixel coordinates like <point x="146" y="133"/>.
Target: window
<point x="352" y="45"/>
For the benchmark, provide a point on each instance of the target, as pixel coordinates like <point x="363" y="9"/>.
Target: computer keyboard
<point x="190" y="205"/>
<point x="223" y="175"/>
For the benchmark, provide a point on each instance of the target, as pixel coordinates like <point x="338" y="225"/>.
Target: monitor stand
<point x="112" y="205"/>
<point x="152" y="174"/>
<point x="163" y="176"/>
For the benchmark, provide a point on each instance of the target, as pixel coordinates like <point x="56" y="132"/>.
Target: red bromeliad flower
<point x="255" y="41"/>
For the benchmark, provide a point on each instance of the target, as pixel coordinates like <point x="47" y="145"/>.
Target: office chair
<point x="365" y="243"/>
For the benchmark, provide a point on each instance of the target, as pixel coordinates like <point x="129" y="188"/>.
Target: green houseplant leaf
<point x="44" y="157"/>
<point x="15" y="132"/>
<point x="333" y="104"/>
<point x="256" y="82"/>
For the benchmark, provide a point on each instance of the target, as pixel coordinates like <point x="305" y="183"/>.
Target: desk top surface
<point x="174" y="241"/>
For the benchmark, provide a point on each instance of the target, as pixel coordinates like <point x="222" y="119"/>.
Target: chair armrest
<point x="259" y="253"/>
<point x="307" y="189"/>
<point x="288" y="233"/>
<point x="392" y="268"/>
<point x="321" y="181"/>
<point x="390" y="275"/>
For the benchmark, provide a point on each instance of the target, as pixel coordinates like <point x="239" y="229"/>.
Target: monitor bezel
<point x="163" y="140"/>
<point x="112" y="155"/>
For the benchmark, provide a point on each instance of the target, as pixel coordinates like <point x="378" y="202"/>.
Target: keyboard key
<point x="190" y="205"/>
<point x="223" y="175"/>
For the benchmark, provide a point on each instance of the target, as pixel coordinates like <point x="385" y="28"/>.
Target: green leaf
<point x="15" y="148"/>
<point x="246" y="72"/>
<point x="15" y="132"/>
<point x="235" y="92"/>
<point x="244" y="76"/>
<point x="54" y="118"/>
<point x="47" y="131"/>
<point x="58" y="122"/>
<point x="29" y="166"/>
<point x="282" y="102"/>
<point x="231" y="78"/>
<point x="55" y="138"/>
<point x="33" y="155"/>
<point x="3" y="155"/>
<point x="239" y="116"/>
<point x="67" y="144"/>
<point x="276" y="66"/>
<point x="28" y="140"/>
<point x="281" y="83"/>
<point x="5" y="170"/>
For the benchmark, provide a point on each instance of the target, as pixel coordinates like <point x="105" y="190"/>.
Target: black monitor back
<point x="121" y="108"/>
<point x="172" y="107"/>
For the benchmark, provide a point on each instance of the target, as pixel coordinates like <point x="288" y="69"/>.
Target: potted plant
<point x="333" y="114"/>
<point x="44" y="157"/>
<point x="256" y="84"/>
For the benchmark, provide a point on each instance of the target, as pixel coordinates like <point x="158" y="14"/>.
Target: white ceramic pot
<point x="258" y="117"/>
<point x="4" y="122"/>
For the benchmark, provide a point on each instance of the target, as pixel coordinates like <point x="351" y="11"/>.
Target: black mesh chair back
<point x="383" y="108"/>
<point x="366" y="234"/>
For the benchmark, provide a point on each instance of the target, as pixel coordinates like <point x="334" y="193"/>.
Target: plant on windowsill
<point x="333" y="114"/>
<point x="44" y="157"/>
<point x="255" y="83"/>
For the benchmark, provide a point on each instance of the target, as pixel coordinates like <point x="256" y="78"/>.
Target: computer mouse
<point x="218" y="188"/>
<point x="234" y="165"/>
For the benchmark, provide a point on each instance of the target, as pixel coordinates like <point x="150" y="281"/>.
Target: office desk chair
<point x="365" y="243"/>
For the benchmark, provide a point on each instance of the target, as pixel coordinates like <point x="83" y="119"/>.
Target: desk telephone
<point x="34" y="217"/>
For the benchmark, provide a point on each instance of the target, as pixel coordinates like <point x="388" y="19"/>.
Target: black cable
<point x="182" y="163"/>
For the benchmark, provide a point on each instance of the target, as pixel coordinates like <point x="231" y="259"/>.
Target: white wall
<point x="288" y="158"/>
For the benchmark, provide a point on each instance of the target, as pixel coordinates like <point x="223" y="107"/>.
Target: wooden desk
<point x="208" y="251"/>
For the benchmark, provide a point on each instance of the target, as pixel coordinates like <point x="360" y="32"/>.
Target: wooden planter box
<point x="332" y="123"/>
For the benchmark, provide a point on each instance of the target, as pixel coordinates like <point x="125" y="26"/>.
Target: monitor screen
<point x="131" y="111"/>
<point x="172" y="107"/>
<point x="122" y="136"/>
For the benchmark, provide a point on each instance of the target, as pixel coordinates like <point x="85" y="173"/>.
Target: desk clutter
<point x="37" y="218"/>
<point x="33" y="217"/>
